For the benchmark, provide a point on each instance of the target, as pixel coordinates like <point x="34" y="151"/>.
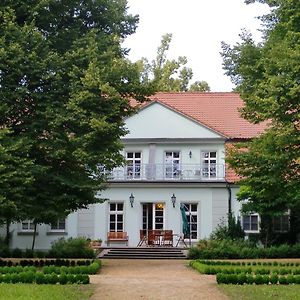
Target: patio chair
<point x="153" y="237"/>
<point x="168" y="238"/>
<point x="143" y="238"/>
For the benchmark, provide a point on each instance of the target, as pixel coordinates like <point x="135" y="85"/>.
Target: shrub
<point x="63" y="279"/>
<point x="17" y="253"/>
<point x="39" y="278"/>
<point x="258" y="279"/>
<point x="282" y="280"/>
<point x="72" y="248"/>
<point x="290" y="279"/>
<point x="274" y="278"/>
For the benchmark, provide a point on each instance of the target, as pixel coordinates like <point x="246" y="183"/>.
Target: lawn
<point x="261" y="292"/>
<point x="44" y="292"/>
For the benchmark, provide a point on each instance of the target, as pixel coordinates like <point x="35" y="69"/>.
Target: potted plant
<point x="96" y="243"/>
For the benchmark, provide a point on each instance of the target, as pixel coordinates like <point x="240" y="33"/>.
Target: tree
<point x="169" y="75"/>
<point x="15" y="177"/>
<point x="267" y="77"/>
<point x="65" y="85"/>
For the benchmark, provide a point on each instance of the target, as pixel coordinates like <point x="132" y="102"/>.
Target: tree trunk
<point x="34" y="233"/>
<point x="7" y="237"/>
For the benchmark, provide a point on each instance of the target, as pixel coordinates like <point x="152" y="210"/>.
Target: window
<point x="27" y="225"/>
<point x="133" y="160"/>
<point x="251" y="222"/>
<point x="209" y="164"/>
<point x="172" y="164"/>
<point x="191" y="211"/>
<point x="281" y="223"/>
<point x="116" y="217"/>
<point x="59" y="225"/>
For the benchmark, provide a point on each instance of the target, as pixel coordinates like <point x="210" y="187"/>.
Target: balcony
<point x="169" y="172"/>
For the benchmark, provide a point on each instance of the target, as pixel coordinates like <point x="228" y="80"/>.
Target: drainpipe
<point x="229" y="197"/>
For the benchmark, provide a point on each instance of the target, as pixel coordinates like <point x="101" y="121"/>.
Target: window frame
<point x="252" y="214"/>
<point x="135" y="166"/>
<point x="189" y="213"/>
<point x="57" y="223"/>
<point x="115" y="213"/>
<point x="175" y="166"/>
<point x="281" y="230"/>
<point x="30" y="223"/>
<point x="209" y="164"/>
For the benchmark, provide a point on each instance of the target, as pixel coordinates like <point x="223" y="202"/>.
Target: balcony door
<point x="133" y="165"/>
<point x="153" y="216"/>
<point x="172" y="164"/>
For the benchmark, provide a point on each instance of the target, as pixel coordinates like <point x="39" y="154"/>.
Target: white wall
<point x="133" y="216"/>
<point x="158" y="121"/>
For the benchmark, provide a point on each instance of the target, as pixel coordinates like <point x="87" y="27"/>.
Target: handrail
<point x="166" y="172"/>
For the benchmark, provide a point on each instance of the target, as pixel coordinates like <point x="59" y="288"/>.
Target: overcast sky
<point x="198" y="27"/>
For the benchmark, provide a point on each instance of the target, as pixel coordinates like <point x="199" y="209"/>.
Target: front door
<point x="153" y="216"/>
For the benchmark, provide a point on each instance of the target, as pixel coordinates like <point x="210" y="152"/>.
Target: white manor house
<point x="175" y="152"/>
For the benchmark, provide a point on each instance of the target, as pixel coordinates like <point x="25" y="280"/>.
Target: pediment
<point x="158" y="121"/>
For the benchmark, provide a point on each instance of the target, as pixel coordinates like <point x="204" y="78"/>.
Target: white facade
<point x="168" y="154"/>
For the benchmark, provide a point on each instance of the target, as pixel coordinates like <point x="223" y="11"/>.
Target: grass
<point x="261" y="292"/>
<point x="44" y="292"/>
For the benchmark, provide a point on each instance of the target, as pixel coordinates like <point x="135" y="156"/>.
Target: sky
<point x="198" y="27"/>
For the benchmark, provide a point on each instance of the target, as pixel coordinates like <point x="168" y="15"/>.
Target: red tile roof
<point x="217" y="111"/>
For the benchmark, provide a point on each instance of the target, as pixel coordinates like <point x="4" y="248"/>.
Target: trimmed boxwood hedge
<point x="46" y="262"/>
<point x="49" y="274"/>
<point x="257" y="279"/>
<point x="40" y="278"/>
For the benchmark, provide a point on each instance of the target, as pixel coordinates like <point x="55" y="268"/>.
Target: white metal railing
<point x="160" y="172"/>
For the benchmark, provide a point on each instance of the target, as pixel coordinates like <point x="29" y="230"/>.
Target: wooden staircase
<point x="144" y="253"/>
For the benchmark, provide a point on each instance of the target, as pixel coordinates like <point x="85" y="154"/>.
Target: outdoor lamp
<point x="190" y="154"/>
<point x="131" y="200"/>
<point x="173" y="199"/>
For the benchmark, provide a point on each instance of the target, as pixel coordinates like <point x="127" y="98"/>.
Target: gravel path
<point x="152" y="280"/>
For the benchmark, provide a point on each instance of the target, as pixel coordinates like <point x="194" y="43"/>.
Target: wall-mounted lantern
<point x="131" y="199"/>
<point x="173" y="199"/>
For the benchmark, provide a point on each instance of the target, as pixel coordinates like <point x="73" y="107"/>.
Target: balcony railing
<point x="166" y="172"/>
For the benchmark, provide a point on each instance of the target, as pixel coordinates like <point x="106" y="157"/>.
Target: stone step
<point x="143" y="253"/>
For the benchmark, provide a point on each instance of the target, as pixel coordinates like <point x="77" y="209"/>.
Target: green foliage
<point x="71" y="248"/>
<point x="169" y="75"/>
<point x="267" y="78"/>
<point x="64" y="93"/>
<point x="215" y="249"/>
<point x="233" y="230"/>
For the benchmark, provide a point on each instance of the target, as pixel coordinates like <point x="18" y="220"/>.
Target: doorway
<point x="153" y="216"/>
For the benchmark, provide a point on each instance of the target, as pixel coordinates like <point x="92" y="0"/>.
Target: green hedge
<point x="91" y="269"/>
<point x="212" y="268"/>
<point x="61" y="248"/>
<point x="226" y="249"/>
<point x="257" y="279"/>
<point x="44" y="262"/>
<point x="40" y="278"/>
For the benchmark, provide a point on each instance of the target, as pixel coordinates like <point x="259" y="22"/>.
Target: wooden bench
<point x="118" y="237"/>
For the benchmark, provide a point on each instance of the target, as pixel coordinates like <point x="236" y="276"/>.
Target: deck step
<point x="143" y="253"/>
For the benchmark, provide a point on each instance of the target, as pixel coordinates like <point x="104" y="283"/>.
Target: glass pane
<point x="129" y="154"/>
<point x="213" y="154"/>
<point x="120" y="218"/>
<point x="193" y="207"/>
<point x="138" y="155"/>
<point x="119" y="226"/>
<point x="112" y="227"/>
<point x="112" y="206"/>
<point x="176" y="155"/>
<point x="112" y="218"/>
<point x="120" y="206"/>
